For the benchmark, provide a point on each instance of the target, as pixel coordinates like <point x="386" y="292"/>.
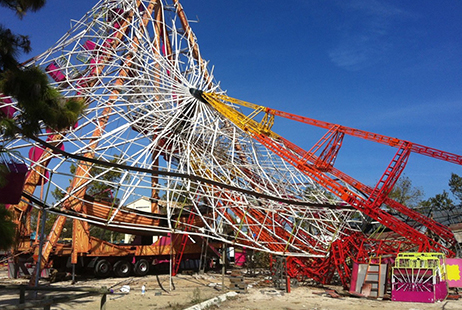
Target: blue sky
<point x="390" y="67"/>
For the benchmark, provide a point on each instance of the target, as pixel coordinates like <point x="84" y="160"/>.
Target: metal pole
<point x="223" y="268"/>
<point x="39" y="260"/>
<point x="171" y="261"/>
<point x="73" y="273"/>
<point x="287" y="278"/>
<point x="22" y="295"/>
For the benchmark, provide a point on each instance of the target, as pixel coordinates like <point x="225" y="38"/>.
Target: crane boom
<point x="375" y="137"/>
<point x="306" y="163"/>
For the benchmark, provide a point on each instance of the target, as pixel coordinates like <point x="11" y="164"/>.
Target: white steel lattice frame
<point x="134" y="63"/>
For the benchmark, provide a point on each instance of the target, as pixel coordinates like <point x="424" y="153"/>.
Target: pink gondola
<point x="54" y="71"/>
<point x="7" y="110"/>
<point x="13" y="174"/>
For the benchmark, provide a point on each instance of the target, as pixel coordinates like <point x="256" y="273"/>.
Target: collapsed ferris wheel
<point x="156" y="118"/>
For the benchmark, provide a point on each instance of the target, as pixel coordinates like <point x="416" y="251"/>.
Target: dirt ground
<point x="189" y="290"/>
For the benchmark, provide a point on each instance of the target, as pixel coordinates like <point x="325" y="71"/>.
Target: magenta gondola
<point x="13" y="173"/>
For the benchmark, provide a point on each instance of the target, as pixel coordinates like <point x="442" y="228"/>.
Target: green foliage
<point x="455" y="185"/>
<point x="29" y="86"/>
<point x="7" y="126"/>
<point x="57" y="194"/>
<point x="406" y="194"/>
<point x="39" y="101"/>
<point x="96" y="189"/>
<point x="441" y="202"/>
<point x="50" y="220"/>
<point x="262" y="260"/>
<point x="196" y="296"/>
<point x="7" y="229"/>
<point x="100" y="189"/>
<point x="3" y="173"/>
<point x="22" y="6"/>
<point x="11" y="45"/>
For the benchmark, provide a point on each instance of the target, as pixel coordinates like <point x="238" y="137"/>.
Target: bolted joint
<point x="197" y="94"/>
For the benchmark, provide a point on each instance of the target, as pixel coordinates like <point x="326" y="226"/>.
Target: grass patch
<point x="196" y="296"/>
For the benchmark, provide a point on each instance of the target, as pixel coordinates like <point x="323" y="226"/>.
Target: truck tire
<point x="141" y="267"/>
<point x="103" y="268"/>
<point x="122" y="268"/>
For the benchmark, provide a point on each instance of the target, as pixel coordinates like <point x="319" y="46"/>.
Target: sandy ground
<point x="188" y="290"/>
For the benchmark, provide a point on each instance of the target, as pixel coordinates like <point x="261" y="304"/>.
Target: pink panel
<point x="89" y="45"/>
<point x="8" y="110"/>
<point x="165" y="240"/>
<point x="441" y="290"/>
<point x="35" y="153"/>
<point x="437" y="292"/>
<point x="12" y="191"/>
<point x="454" y="270"/>
<point x="7" y="100"/>
<point x="239" y="258"/>
<point x="53" y="71"/>
<point x="412" y="296"/>
<point x="354" y="278"/>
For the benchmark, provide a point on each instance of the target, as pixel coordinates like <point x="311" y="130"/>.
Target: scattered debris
<point x="212" y="302"/>
<point x="330" y="293"/>
<point x="237" y="282"/>
<point x="125" y="289"/>
<point x="453" y="297"/>
<point x="272" y="292"/>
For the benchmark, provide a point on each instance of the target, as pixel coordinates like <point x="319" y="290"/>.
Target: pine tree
<point x="36" y="99"/>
